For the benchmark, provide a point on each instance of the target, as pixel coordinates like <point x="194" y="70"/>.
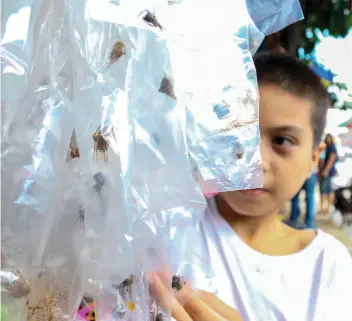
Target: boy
<point x="266" y="270"/>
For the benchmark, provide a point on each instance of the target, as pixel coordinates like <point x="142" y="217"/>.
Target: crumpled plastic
<point x="110" y="138"/>
<point x="271" y="16"/>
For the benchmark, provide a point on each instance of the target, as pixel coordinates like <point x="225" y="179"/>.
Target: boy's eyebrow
<point x="290" y="128"/>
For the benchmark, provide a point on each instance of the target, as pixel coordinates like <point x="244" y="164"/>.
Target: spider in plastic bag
<point x="126" y="286"/>
<point x="80" y="218"/>
<point x="151" y="19"/>
<point x="74" y="151"/>
<point x="118" y="50"/>
<point x="100" y="145"/>
<point x="177" y="282"/>
<point x="99" y="182"/>
<point x="167" y="88"/>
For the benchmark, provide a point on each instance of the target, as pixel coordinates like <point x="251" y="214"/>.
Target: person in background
<point x="309" y="188"/>
<point x="326" y="172"/>
<point x="320" y="168"/>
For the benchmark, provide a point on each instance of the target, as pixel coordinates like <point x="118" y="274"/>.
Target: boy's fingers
<point x="218" y="306"/>
<point x="188" y="305"/>
<point x="167" y="300"/>
<point x="182" y="295"/>
<point x="200" y="311"/>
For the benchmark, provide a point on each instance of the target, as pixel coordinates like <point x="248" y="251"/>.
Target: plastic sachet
<point x="214" y="78"/>
<point x="208" y="98"/>
<point x="96" y="152"/>
<point x="89" y="199"/>
<point x="144" y="126"/>
<point x="271" y="16"/>
<point x="41" y="254"/>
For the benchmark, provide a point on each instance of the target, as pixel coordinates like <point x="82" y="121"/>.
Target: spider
<point x="166" y="87"/>
<point x="118" y="50"/>
<point x="99" y="182"/>
<point x="74" y="151"/>
<point x="151" y="20"/>
<point x="100" y="145"/>
<point x="239" y="155"/>
<point x="80" y="218"/>
<point x="127" y="284"/>
<point x="178" y="282"/>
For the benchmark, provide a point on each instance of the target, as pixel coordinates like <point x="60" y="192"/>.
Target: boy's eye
<point x="283" y="141"/>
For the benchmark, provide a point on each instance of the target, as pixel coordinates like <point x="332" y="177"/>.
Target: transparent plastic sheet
<point x="218" y="89"/>
<point x="145" y="128"/>
<point x="215" y="108"/>
<point x="117" y="199"/>
<point x="271" y="16"/>
<point x="36" y="131"/>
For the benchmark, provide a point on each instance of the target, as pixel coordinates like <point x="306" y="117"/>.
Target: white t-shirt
<point x="312" y="285"/>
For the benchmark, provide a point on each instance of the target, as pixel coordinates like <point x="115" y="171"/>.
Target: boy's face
<point x="287" y="152"/>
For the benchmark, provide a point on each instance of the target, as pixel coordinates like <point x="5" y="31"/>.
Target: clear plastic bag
<point x="215" y="79"/>
<point x="215" y="108"/>
<point x="271" y="16"/>
<point x="145" y="128"/>
<point x="106" y="122"/>
<point x="36" y="132"/>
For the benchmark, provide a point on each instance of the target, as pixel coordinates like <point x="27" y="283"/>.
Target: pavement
<point x="344" y="235"/>
<point x="327" y="224"/>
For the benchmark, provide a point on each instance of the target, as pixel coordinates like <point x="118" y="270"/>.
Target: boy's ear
<point x="316" y="155"/>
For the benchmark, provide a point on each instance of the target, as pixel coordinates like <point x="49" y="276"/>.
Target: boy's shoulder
<point x="332" y="248"/>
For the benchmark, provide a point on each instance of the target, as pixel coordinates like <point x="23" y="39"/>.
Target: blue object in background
<point x="308" y="187"/>
<point x="321" y="71"/>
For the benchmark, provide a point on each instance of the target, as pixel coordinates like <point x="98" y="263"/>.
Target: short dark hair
<point x="296" y="77"/>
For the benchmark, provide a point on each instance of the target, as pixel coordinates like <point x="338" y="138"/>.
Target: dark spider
<point x="151" y="20"/>
<point x="128" y="282"/>
<point x="80" y="218"/>
<point x="159" y="317"/>
<point x="167" y="88"/>
<point x="239" y="155"/>
<point x="177" y="282"/>
<point x="155" y="138"/>
<point x="99" y="181"/>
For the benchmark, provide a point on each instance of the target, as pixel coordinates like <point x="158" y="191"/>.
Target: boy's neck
<point x="250" y="227"/>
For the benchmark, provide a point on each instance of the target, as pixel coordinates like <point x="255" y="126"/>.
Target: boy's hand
<point x="189" y="305"/>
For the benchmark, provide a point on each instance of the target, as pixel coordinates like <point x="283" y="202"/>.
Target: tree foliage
<point x="330" y="16"/>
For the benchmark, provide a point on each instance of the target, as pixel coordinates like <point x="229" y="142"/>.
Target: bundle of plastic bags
<point x="116" y="118"/>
